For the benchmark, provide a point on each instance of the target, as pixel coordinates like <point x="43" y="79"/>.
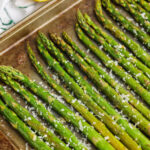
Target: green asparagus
<point x="136" y="73"/>
<point x="131" y="112"/>
<point x="98" y="99"/>
<point x="143" y="3"/>
<point x="105" y="105"/>
<point x="118" y="46"/>
<point x="128" y="25"/>
<point x="118" y="87"/>
<point x="136" y="4"/>
<point x="87" y="88"/>
<point x="32" y="122"/>
<point x="42" y="111"/>
<point x="17" y="75"/>
<point x="133" y="46"/>
<point x="113" y="126"/>
<point x="139" y="14"/>
<point x="71" y="117"/>
<point x="108" y="62"/>
<point x="99" y="126"/>
<point x="138" y="89"/>
<point x="27" y="134"/>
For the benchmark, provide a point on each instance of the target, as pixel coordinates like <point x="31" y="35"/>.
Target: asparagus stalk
<point x="27" y="134"/>
<point x="104" y="104"/>
<point x="136" y="73"/>
<point x="136" y="5"/>
<point x="113" y="126"/>
<point x="23" y="113"/>
<point x="99" y="126"/>
<point x="133" y="46"/>
<point x="42" y="111"/>
<point x="143" y="3"/>
<point x="128" y="25"/>
<point x="131" y="112"/>
<point x="73" y="118"/>
<point x="118" y="46"/>
<point x="139" y="14"/>
<point x="118" y="87"/>
<point x="32" y="122"/>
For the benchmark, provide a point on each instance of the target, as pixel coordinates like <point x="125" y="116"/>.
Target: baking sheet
<point x="56" y="16"/>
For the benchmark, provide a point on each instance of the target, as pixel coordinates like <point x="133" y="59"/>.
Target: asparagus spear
<point x="131" y="112"/>
<point x="143" y="3"/>
<point x="99" y="126"/>
<point x="118" y="46"/>
<point x="42" y="111"/>
<point x="139" y="14"/>
<point x="116" y="129"/>
<point x="133" y="46"/>
<point x="27" y="134"/>
<point x="118" y="87"/>
<point x="136" y="73"/>
<point x="71" y="117"/>
<point x="128" y="25"/>
<point x="32" y="122"/>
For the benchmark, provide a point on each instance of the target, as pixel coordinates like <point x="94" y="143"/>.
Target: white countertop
<point x="12" y="11"/>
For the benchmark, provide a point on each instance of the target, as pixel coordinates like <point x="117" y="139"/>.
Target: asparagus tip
<point x="79" y="13"/>
<point x="52" y="36"/>
<point x="64" y="33"/>
<point x="28" y="46"/>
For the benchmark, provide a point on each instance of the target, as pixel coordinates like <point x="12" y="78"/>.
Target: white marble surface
<point x="12" y="11"/>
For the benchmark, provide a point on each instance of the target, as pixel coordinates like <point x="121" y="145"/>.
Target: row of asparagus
<point x="88" y="130"/>
<point x="105" y="123"/>
<point x="140" y="14"/>
<point x="143" y="3"/>
<point x="126" y="24"/>
<point x="119" y="34"/>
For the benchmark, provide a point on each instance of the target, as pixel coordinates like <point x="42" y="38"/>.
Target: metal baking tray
<point x="55" y="16"/>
